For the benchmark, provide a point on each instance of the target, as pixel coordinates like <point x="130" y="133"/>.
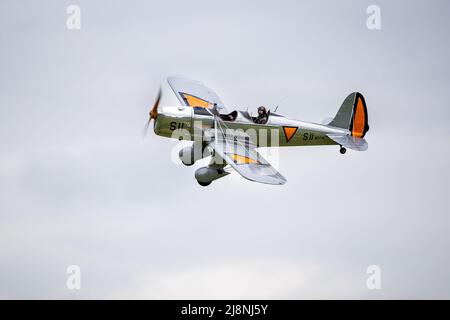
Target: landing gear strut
<point x="342" y="150"/>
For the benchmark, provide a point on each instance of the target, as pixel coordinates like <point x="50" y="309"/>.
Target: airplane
<point x="231" y="139"/>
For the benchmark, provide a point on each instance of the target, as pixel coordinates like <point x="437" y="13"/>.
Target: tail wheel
<point x="204" y="184"/>
<point x="342" y="150"/>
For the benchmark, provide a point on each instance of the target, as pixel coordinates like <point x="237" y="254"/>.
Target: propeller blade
<point x="144" y="132"/>
<point x="153" y="114"/>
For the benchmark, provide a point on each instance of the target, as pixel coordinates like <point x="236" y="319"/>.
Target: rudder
<point x="352" y="115"/>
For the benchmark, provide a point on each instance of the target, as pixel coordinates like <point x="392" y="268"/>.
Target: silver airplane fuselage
<point x="187" y="122"/>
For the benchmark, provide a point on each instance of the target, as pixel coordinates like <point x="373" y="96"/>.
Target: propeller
<point x="153" y="114"/>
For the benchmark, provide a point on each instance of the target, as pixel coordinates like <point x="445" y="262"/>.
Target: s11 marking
<point x="174" y="125"/>
<point x="308" y="136"/>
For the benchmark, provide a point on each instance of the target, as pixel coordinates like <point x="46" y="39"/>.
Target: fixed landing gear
<point x="204" y="184"/>
<point x="187" y="164"/>
<point x="342" y="150"/>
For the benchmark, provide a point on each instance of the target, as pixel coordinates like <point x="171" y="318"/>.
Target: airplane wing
<point x="355" y="143"/>
<point x="192" y="93"/>
<point x="242" y="156"/>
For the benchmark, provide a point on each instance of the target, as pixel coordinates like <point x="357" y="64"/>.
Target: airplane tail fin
<point x="352" y="115"/>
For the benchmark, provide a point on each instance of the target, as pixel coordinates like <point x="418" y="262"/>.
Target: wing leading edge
<point x="192" y="93"/>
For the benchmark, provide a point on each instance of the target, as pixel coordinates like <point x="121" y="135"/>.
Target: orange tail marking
<point x="358" y="119"/>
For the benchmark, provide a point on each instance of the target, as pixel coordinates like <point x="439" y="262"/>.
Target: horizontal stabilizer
<point x="351" y="142"/>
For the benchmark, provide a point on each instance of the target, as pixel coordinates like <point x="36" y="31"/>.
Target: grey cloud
<point x="78" y="185"/>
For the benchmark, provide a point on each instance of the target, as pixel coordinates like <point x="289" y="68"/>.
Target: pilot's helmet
<point x="261" y="110"/>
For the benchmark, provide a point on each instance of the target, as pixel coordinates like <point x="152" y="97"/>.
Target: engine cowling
<point x="206" y="175"/>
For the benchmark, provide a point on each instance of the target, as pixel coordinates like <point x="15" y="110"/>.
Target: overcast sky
<point x="79" y="185"/>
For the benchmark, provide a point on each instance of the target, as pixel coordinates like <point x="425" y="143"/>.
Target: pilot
<point x="215" y="109"/>
<point x="262" y="116"/>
